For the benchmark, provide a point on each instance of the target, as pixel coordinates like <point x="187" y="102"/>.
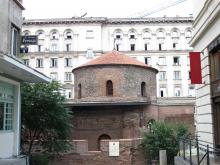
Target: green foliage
<point x="44" y="117"/>
<point x="163" y="136"/>
<point x="39" y="159"/>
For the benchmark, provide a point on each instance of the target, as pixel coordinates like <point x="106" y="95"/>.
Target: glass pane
<point x="1" y="115"/>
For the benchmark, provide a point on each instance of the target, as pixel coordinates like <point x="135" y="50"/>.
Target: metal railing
<point x="196" y="153"/>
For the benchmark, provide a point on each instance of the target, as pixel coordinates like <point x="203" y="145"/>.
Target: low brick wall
<point x="131" y="153"/>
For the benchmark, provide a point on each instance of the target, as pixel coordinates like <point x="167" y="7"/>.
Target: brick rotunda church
<point x="114" y="95"/>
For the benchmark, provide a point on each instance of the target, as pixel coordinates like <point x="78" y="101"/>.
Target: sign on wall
<point x="29" y="40"/>
<point x="113" y="148"/>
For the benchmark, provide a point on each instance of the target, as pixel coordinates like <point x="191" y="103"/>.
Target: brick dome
<point x="114" y="58"/>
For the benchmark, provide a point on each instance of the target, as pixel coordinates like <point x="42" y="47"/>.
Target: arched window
<point x="109" y="88"/>
<point x="149" y="124"/>
<point x="54" y="35"/>
<point x="143" y="89"/>
<point x="102" y="137"/>
<point x="175" y="34"/>
<point x="79" y="91"/>
<point x="146" y="35"/>
<point x="160" y="34"/>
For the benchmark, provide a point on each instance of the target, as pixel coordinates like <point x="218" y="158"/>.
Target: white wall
<point x="10" y="140"/>
<point x="103" y="40"/>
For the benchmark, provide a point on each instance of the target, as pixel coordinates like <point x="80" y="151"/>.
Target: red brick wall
<point x="131" y="153"/>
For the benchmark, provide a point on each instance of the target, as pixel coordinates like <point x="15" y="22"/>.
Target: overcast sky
<point x="101" y="8"/>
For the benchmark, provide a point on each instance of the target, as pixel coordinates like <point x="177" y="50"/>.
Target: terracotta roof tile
<point x="114" y="57"/>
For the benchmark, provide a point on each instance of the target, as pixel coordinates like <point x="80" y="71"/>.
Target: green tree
<point x="44" y="117"/>
<point x="163" y="136"/>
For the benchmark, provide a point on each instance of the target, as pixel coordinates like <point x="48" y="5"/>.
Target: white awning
<point x="15" y="69"/>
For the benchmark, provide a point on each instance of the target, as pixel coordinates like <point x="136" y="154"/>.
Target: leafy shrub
<point x="164" y="136"/>
<point x="39" y="159"/>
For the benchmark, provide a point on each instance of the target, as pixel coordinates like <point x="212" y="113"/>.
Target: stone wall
<point x="126" y="82"/>
<point x="131" y="153"/>
<point x="117" y="122"/>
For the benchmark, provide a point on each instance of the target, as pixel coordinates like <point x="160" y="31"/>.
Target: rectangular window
<point x="132" y="36"/>
<point x="192" y="91"/>
<point x="68" y="93"/>
<point x="54" y="48"/>
<point x="118" y="36"/>
<point x="53" y="62"/>
<point x="148" y="60"/>
<point x="89" y="34"/>
<point x="54" y="76"/>
<point x="163" y="92"/>
<point x="39" y="48"/>
<point x="175" y="45"/>
<point x="26" y="62"/>
<point x="162" y="75"/>
<point x="68" y="47"/>
<point x="188" y="62"/>
<point x="162" y="61"/>
<point x="176" y="60"/>
<point x="189" y="75"/>
<point x="117" y="47"/>
<point x="145" y="47"/>
<point x="160" y="47"/>
<point x="6" y="106"/>
<point x="68" y="62"/>
<point x="68" y="76"/>
<point x="14" y="41"/>
<point x="132" y="47"/>
<point x="177" y="91"/>
<point x="39" y="62"/>
<point x="177" y="75"/>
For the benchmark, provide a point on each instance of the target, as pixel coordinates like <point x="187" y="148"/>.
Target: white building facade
<point x="159" y="42"/>
<point x="206" y="39"/>
<point x="12" y="73"/>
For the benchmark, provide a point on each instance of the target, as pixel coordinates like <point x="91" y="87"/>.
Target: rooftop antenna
<point x="157" y="8"/>
<point x="83" y="15"/>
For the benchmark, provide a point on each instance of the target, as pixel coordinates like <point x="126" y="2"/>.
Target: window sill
<point x="39" y="67"/>
<point x="6" y="131"/>
<point x="176" y="65"/>
<point x="67" y="80"/>
<point x="53" y="67"/>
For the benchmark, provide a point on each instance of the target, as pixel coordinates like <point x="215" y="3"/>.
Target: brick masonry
<point x="114" y="118"/>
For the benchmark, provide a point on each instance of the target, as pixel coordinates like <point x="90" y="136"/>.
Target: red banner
<point x="195" y="68"/>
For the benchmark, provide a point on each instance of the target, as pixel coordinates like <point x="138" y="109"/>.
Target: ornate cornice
<point x="104" y="20"/>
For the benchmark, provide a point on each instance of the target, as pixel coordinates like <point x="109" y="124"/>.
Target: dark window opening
<point x="146" y="60"/>
<point x="160" y="46"/>
<point x="132" y="36"/>
<point x="102" y="137"/>
<point x="117" y="47"/>
<point x="39" y="48"/>
<point x="161" y="93"/>
<point x="67" y="47"/>
<point x="118" y="36"/>
<point x="143" y="89"/>
<point x="132" y="47"/>
<point x="109" y="88"/>
<point x="176" y="60"/>
<point x="174" y="45"/>
<point x="145" y="47"/>
<point x="79" y="91"/>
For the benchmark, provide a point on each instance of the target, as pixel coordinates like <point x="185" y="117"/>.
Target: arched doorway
<point x="102" y="137"/>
